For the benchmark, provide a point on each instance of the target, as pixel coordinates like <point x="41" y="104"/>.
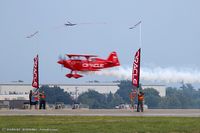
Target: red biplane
<point x="90" y="63"/>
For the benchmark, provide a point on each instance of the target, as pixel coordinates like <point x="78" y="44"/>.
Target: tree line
<point x="184" y="97"/>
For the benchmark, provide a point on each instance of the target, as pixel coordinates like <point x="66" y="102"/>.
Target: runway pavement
<point x="104" y="112"/>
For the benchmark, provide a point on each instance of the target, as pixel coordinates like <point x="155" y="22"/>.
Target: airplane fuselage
<point x="85" y="65"/>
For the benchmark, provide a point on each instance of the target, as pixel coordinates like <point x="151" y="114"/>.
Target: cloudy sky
<point x="170" y="36"/>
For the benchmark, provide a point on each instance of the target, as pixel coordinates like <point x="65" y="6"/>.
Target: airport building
<point x="21" y="91"/>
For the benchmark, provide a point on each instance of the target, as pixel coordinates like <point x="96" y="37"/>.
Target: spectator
<point x="42" y="101"/>
<point x="140" y="102"/>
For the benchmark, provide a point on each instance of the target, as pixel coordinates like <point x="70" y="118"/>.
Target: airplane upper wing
<point x="135" y="25"/>
<point x="80" y="55"/>
<point x="32" y="34"/>
<point x="131" y="27"/>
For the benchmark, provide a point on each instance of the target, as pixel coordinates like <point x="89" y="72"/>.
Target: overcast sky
<point x="170" y="35"/>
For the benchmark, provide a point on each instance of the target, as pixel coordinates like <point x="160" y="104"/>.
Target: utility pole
<point x="76" y="94"/>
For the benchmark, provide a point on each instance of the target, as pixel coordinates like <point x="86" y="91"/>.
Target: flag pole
<point x="140" y="32"/>
<point x="136" y="64"/>
<point x="140" y="45"/>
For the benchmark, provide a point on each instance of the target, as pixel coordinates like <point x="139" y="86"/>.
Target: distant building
<point x="15" y="91"/>
<point x="21" y="91"/>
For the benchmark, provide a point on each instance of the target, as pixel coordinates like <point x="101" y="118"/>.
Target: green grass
<point x="99" y="124"/>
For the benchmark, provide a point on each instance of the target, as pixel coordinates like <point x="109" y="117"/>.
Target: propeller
<point x="60" y="57"/>
<point x="60" y="61"/>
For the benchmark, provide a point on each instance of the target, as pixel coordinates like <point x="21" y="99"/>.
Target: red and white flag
<point x="136" y="69"/>
<point x="35" y="82"/>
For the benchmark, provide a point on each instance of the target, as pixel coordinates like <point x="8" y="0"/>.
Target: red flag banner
<point x="35" y="82"/>
<point x="136" y="69"/>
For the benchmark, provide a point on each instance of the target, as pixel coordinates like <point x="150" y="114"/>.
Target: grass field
<point x="99" y="124"/>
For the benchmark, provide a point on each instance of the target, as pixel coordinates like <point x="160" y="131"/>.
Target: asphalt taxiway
<point x="104" y="112"/>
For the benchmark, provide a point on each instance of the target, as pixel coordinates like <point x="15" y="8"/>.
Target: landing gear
<point x="71" y="75"/>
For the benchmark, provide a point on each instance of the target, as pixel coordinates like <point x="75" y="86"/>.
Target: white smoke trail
<point x="157" y="74"/>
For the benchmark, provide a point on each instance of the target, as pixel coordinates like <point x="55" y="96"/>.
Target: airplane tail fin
<point x="113" y="59"/>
